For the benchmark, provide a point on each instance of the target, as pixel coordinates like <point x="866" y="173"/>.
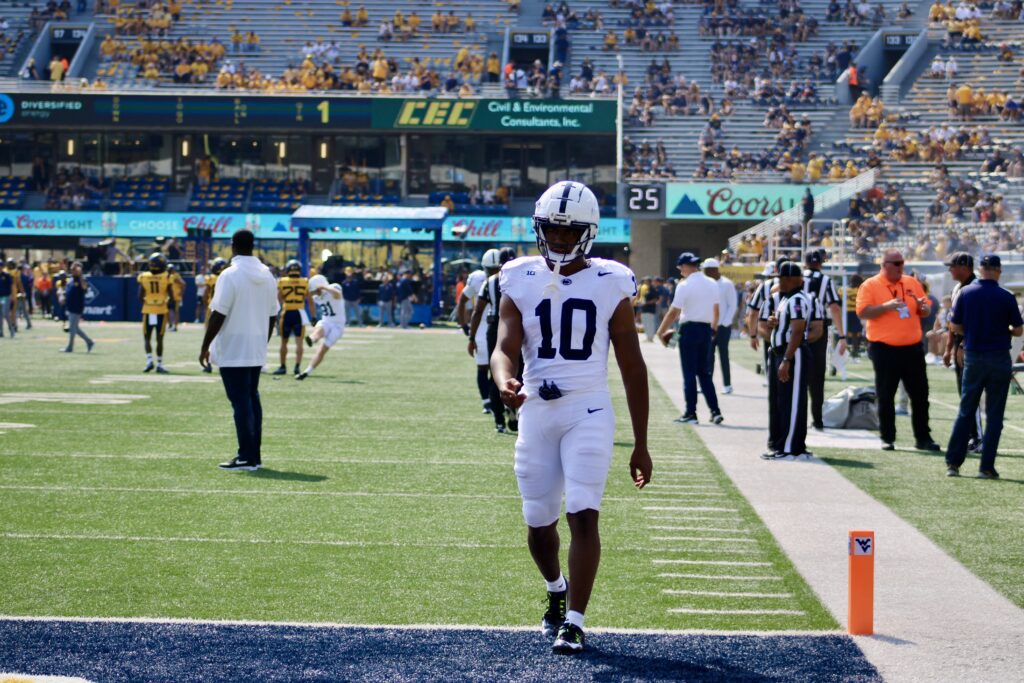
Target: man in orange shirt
<point x="892" y="305"/>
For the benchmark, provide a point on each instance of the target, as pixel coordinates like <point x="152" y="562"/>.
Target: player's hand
<point x="754" y="343"/>
<point x="640" y="467"/>
<point x="841" y="347"/>
<point x="666" y="336"/>
<point x="784" y="371"/>
<point x="510" y="395"/>
<point x="773" y="322"/>
<point x="947" y="357"/>
<point x="471" y="347"/>
<point x="204" y="358"/>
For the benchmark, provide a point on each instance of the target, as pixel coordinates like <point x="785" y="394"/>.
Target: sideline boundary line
<point x="402" y="627"/>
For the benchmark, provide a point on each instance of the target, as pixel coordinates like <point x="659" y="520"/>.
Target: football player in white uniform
<point x="330" y="327"/>
<point x="463" y="312"/>
<point x="561" y="310"/>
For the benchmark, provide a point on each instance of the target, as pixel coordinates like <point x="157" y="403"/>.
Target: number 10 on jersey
<point x="565" y="348"/>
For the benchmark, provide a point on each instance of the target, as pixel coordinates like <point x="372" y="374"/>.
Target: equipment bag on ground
<point x="852" y="408"/>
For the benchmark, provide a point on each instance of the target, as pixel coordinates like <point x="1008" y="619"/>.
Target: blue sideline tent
<point x="372" y="222"/>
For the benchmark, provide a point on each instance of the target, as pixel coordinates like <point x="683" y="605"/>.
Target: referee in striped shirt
<point x="786" y="319"/>
<point x="822" y="292"/>
<point x="490" y="293"/>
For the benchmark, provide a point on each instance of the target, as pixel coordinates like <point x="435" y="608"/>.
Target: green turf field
<point x="386" y="498"/>
<point x="976" y="521"/>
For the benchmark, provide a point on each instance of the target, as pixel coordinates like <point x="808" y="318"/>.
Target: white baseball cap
<point x="710" y="263"/>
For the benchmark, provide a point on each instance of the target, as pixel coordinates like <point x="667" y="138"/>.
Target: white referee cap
<point x="710" y="263"/>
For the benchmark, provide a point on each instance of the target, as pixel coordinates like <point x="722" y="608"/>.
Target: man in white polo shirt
<point x="727" y="312"/>
<point x="695" y="305"/>
<point x="242" y="317"/>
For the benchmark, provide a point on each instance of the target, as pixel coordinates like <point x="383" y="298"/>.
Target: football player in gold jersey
<point x="155" y="296"/>
<point x="293" y="295"/>
<point x="216" y="268"/>
<point x="177" y="296"/>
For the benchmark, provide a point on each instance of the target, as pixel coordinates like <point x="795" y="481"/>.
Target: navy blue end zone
<point x="127" y="651"/>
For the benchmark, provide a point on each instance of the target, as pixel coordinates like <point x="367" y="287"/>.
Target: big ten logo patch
<point x="862" y="545"/>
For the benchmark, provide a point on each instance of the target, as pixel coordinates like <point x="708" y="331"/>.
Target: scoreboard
<point x="222" y="111"/>
<point x="186" y="111"/>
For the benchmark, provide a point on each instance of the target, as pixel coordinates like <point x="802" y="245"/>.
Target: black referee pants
<point x="789" y="403"/>
<point x="894" y="364"/>
<point x="816" y="379"/>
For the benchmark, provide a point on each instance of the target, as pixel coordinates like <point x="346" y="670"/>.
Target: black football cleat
<point x="569" y="640"/>
<point x="301" y="376"/>
<point x="555" y="616"/>
<point x="296" y="370"/>
<point x="149" y="367"/>
<point x="161" y="370"/>
<point x="236" y="465"/>
<point x="280" y="370"/>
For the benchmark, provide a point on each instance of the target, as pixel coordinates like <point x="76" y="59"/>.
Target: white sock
<point x="556" y="586"/>
<point x="575" y="618"/>
<point x="309" y="370"/>
<point x="159" y="361"/>
<point x="149" y="358"/>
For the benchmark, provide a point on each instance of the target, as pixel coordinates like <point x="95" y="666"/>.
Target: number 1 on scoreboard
<point x="325" y="111"/>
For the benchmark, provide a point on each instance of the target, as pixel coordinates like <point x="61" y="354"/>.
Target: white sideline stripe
<point x="253" y="492"/>
<point x="287" y="541"/>
<point x="404" y="627"/>
<point x="724" y="563"/>
<point x="277" y="459"/>
<point x="726" y="594"/>
<point x="710" y="539"/>
<point x="680" y="495"/>
<point x="718" y="577"/>
<point x="733" y="530"/>
<point x="657" y="508"/>
<point x="242" y="541"/>
<point x="690" y="610"/>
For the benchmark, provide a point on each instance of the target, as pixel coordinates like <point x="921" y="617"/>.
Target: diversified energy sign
<point x="732" y="202"/>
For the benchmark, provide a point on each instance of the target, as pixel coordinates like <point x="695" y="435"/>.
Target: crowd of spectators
<point x="73" y="190"/>
<point x="781" y="22"/>
<point x="966" y="102"/>
<point x="50" y="11"/>
<point x="646" y="161"/>
<point x="150" y="18"/>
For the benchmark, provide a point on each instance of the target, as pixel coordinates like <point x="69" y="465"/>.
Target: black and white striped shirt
<point x="787" y="308"/>
<point x="822" y="291"/>
<point x="490" y="293"/>
<point x="757" y="299"/>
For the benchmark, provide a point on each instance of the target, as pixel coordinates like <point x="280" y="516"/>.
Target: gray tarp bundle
<point x="852" y="408"/>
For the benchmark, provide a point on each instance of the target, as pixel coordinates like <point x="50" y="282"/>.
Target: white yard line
<point x="274" y="464"/>
<point x="761" y="612"/>
<point x="688" y="518"/>
<point x="677" y="508"/>
<point x="666" y="527"/>
<point x="717" y="563"/>
<point x="929" y="609"/>
<point x="718" y="577"/>
<point x="727" y="594"/>
<point x="710" y="539"/>
<point x="250" y="492"/>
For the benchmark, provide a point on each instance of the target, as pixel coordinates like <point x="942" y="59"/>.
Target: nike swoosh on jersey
<point x="604" y="273"/>
<point x="593" y="410"/>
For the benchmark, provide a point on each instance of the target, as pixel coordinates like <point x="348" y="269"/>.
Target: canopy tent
<point x="343" y="219"/>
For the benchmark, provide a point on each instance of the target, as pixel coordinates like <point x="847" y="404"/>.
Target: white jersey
<point x="474" y="283"/>
<point x="330" y="310"/>
<point x="566" y="335"/>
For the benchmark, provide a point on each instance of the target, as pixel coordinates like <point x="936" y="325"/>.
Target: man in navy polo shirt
<point x="986" y="315"/>
<point x="352" y="293"/>
<point x="406" y="297"/>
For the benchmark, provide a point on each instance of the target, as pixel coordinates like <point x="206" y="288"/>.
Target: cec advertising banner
<point x="733" y="201"/>
<point x="99" y="224"/>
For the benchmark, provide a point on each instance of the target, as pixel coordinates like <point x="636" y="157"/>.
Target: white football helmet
<point x="317" y="281"/>
<point x="567" y="204"/>
<point x="491" y="259"/>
